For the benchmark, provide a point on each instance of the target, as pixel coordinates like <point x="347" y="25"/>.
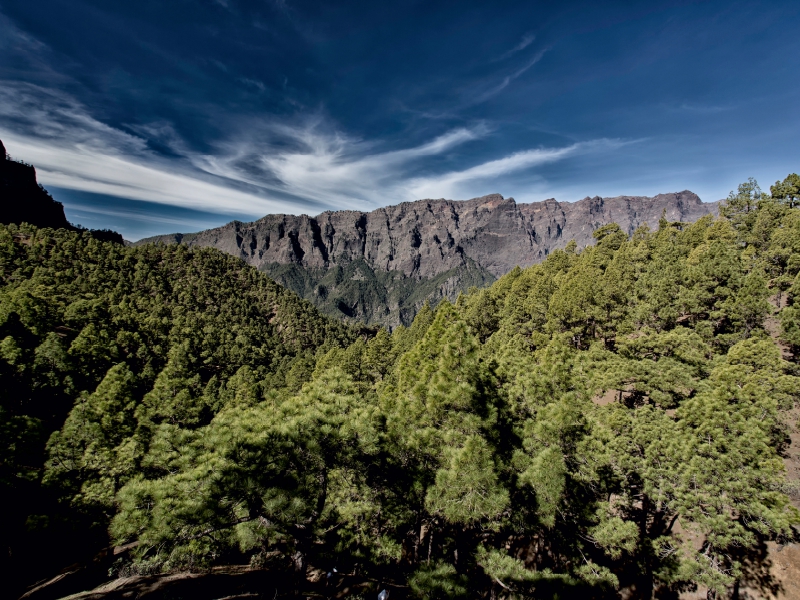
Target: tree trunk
<point x="299" y="563"/>
<point x="648" y="579"/>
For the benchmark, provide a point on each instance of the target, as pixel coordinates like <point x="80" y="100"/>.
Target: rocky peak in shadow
<point x="24" y="200"/>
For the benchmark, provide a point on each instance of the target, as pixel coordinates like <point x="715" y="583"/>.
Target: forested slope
<point x="125" y="344"/>
<point x="477" y="452"/>
<point x="610" y="421"/>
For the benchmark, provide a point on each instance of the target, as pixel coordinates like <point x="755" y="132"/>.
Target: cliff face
<point x="366" y="266"/>
<point x="23" y="200"/>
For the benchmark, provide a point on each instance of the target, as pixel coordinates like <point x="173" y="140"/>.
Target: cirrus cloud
<point x="268" y="167"/>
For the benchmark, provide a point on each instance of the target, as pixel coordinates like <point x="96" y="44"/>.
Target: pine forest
<point x="612" y="422"/>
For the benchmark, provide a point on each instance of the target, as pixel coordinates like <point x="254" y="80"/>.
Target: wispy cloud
<point x="702" y="108"/>
<point x="259" y="85"/>
<point x="526" y="41"/>
<point x="496" y="89"/>
<point x="455" y="182"/>
<point x="73" y="150"/>
<point x="143" y="215"/>
<point x="267" y="168"/>
<point x="313" y="162"/>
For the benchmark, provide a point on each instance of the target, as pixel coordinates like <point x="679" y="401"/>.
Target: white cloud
<point x="456" y="182"/>
<point x="71" y="149"/>
<point x="139" y="215"/>
<point x="451" y="183"/>
<point x="99" y="169"/>
<point x="266" y="168"/>
<point x="343" y="170"/>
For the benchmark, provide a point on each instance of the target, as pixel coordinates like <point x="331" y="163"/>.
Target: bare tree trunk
<point x="424" y="528"/>
<point x="299" y="562"/>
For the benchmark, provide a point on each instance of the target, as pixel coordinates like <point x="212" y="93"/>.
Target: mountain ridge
<point x="475" y="241"/>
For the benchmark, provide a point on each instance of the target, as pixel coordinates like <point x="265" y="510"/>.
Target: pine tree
<point x="787" y="191"/>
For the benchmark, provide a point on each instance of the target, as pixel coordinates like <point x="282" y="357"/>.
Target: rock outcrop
<point x="368" y="266"/>
<point x="23" y="200"/>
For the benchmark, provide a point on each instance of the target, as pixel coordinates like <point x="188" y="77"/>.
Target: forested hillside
<point x="610" y="421"/>
<point x="119" y="350"/>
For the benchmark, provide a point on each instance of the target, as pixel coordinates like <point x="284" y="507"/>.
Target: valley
<point x="612" y="416"/>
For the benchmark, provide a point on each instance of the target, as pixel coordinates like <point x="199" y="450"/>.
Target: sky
<point x="152" y="117"/>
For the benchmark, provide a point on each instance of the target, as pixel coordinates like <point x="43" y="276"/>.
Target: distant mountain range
<point x="380" y="267"/>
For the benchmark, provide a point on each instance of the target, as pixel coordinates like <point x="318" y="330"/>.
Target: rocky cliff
<point x="381" y="266"/>
<point x="23" y="200"/>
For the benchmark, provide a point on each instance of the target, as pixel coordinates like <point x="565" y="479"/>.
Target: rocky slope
<point x="380" y="267"/>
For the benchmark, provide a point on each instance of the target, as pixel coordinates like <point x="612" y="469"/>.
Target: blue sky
<point x="150" y="117"/>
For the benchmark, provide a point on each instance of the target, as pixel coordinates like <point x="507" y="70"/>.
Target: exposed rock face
<point x="23" y="200"/>
<point x="473" y="241"/>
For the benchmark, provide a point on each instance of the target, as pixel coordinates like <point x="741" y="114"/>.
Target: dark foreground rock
<point x="24" y="200"/>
